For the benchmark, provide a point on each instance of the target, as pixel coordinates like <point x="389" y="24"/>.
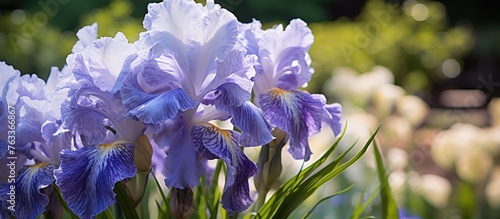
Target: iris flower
<point x="283" y="66"/>
<point x="39" y="137"/>
<point x="193" y="73"/>
<point x="94" y="112"/>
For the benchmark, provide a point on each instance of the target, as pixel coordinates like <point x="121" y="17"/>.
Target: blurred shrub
<point x="411" y="39"/>
<point x="31" y="45"/>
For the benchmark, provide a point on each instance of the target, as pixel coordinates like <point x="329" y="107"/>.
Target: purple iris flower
<point x="283" y="66"/>
<point x="39" y="137"/>
<point x="191" y="73"/>
<point x="94" y="113"/>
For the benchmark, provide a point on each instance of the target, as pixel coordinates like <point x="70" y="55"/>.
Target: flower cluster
<point x="83" y="130"/>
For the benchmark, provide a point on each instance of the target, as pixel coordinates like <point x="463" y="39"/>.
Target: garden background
<point x="427" y="71"/>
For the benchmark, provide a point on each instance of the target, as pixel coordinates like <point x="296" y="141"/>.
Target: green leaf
<point x="213" y="195"/>
<point x="361" y="208"/>
<point x="275" y="200"/>
<point x="107" y="214"/>
<point x="292" y="194"/>
<point x="389" y="206"/>
<point x="311" y="184"/>
<point x="467" y="199"/>
<point x="200" y="200"/>
<point x="63" y="202"/>
<point x="125" y="203"/>
<point x="166" y="201"/>
<point x="326" y="198"/>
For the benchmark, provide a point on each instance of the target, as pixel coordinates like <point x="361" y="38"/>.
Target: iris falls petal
<point x="295" y="112"/>
<point x="30" y="201"/>
<point x="224" y="144"/>
<point x="250" y="120"/>
<point x="332" y="117"/>
<point x="88" y="175"/>
<point x="153" y="108"/>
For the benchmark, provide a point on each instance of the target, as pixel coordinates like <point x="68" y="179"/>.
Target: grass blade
<point x="125" y="203"/>
<point x="326" y="198"/>
<point x="389" y="206"/>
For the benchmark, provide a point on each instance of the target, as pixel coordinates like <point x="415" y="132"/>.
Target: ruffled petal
<point x="32" y="114"/>
<point x="197" y="35"/>
<point x="153" y="108"/>
<point x="107" y="58"/>
<point x="231" y="95"/>
<point x="332" y="113"/>
<point x="249" y="36"/>
<point x="236" y="68"/>
<point x="88" y="175"/>
<point x="283" y="55"/>
<point x="183" y="167"/>
<point x="171" y="21"/>
<point x="86" y="121"/>
<point x="295" y="112"/>
<point x="56" y="139"/>
<point x="250" y="120"/>
<point x="332" y="117"/>
<point x="30" y="201"/>
<point x="224" y="144"/>
<point x="164" y="106"/>
<point x="86" y="36"/>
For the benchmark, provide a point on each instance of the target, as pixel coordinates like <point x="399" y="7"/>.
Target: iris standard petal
<point x="183" y="166"/>
<point x="32" y="114"/>
<point x="250" y="35"/>
<point x="236" y="68"/>
<point x="86" y="36"/>
<point x="224" y="144"/>
<point x="30" y="201"/>
<point x="295" y="112"/>
<point x="107" y="58"/>
<point x="56" y="139"/>
<point x="171" y="21"/>
<point x="86" y="121"/>
<point x="250" y="120"/>
<point x="88" y="175"/>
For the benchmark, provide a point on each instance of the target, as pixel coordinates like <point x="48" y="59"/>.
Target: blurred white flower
<point x="491" y="140"/>
<point x="457" y="142"/>
<point x="494" y="110"/>
<point x="396" y="131"/>
<point x="360" y="127"/>
<point x="356" y="89"/>
<point x="397" y="181"/>
<point x="434" y="189"/>
<point x="412" y="108"/>
<point x="473" y="165"/>
<point x="397" y="158"/>
<point x="385" y="98"/>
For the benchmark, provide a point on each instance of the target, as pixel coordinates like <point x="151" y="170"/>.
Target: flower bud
<point x="269" y="164"/>
<point x="181" y="202"/>
<point x="143" y="151"/>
